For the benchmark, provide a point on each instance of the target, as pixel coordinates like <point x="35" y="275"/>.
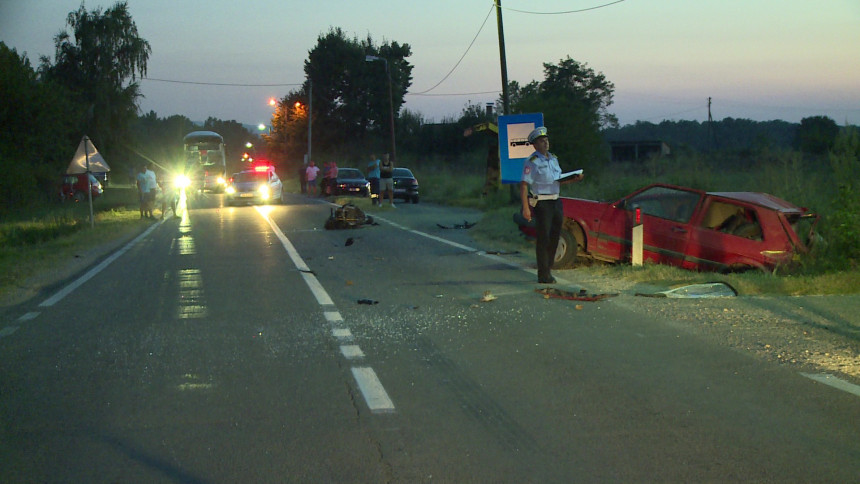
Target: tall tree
<point x="350" y="95"/>
<point x="100" y="61"/>
<point x="574" y="100"/>
<point x="39" y="122"/>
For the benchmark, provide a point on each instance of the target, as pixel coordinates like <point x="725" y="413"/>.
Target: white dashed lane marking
<point x="371" y="388"/>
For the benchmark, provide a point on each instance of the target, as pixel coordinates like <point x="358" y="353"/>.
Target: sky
<point x="755" y="59"/>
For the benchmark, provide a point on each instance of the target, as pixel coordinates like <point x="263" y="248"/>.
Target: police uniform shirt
<point x="542" y="174"/>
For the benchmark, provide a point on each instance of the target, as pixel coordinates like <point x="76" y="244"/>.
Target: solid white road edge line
<point x="834" y="382"/>
<point x="95" y="270"/>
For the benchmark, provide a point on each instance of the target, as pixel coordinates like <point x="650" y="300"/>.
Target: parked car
<point x="693" y="229"/>
<point x="405" y="185"/>
<point x="74" y="187"/>
<point x="257" y="185"/>
<point x="350" y="181"/>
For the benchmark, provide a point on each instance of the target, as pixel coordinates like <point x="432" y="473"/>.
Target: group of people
<point x="147" y="189"/>
<point x="148" y="185"/>
<point x="380" y="173"/>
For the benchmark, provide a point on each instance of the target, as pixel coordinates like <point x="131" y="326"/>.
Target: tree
<point x="574" y="100"/>
<point x="817" y="134"/>
<point x="350" y="95"/>
<point x="96" y="61"/>
<point x="39" y="134"/>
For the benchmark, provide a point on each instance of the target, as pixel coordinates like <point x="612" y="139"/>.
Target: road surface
<point x="248" y="344"/>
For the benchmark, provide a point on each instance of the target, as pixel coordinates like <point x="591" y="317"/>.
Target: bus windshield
<point x="205" y="162"/>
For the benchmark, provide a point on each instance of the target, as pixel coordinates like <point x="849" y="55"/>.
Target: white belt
<point x="547" y="197"/>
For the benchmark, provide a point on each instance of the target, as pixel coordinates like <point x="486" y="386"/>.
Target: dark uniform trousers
<point x="548" y="216"/>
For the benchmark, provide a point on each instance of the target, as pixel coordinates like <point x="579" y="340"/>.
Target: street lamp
<point x="371" y="58"/>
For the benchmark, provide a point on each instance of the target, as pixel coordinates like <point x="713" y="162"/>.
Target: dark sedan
<point x="351" y="182"/>
<point x="405" y="185"/>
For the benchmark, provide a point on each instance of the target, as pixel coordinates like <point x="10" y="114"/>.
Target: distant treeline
<point x="811" y="135"/>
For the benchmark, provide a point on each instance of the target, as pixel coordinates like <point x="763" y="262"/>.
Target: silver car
<point x="259" y="185"/>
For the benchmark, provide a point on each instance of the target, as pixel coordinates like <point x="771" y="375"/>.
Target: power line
<point x="565" y="12"/>
<point x="461" y="57"/>
<point x="197" y="83"/>
<point x="452" y="93"/>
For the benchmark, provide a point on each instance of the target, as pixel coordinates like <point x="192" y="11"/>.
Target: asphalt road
<point x="230" y="345"/>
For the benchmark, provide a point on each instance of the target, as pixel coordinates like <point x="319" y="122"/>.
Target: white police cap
<point x="537" y="133"/>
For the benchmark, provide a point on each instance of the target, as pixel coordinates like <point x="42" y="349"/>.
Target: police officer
<point x="542" y="172"/>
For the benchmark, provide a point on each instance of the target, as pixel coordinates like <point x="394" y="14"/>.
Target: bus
<point x="205" y="162"/>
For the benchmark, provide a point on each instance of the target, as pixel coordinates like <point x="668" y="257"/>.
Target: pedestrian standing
<point x="373" y="178"/>
<point x="303" y="178"/>
<point x="311" y="174"/>
<point x="539" y="190"/>
<point x="148" y="186"/>
<point x="386" y="180"/>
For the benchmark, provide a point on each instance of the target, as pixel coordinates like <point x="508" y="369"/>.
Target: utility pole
<point x="710" y="127"/>
<point x="310" y="113"/>
<point x="502" y="59"/>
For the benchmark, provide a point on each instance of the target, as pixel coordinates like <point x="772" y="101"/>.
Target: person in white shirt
<point x="539" y="190"/>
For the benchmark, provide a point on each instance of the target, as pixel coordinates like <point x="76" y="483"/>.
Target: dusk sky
<point x="756" y="59"/>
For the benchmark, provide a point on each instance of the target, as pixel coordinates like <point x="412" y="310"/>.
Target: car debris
<point x="686" y="227"/>
<point x="347" y="216"/>
<point x="582" y="295"/>
<point x="465" y="225"/>
<point x="696" y="291"/>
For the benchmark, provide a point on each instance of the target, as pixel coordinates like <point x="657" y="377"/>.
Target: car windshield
<point x="349" y="173"/>
<point x="250" y="176"/>
<point x="402" y="173"/>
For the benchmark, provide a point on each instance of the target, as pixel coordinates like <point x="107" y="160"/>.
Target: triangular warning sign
<point x="87" y="154"/>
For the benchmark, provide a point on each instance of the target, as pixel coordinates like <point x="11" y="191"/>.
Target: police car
<point x="260" y="184"/>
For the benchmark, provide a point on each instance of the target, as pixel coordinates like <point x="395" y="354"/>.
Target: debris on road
<point x="696" y="291"/>
<point x="464" y="225"/>
<point x="582" y="295"/>
<point x="347" y="216"/>
<point x="367" y="301"/>
<point x="488" y="296"/>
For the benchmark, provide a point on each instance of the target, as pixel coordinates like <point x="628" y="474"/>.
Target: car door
<point x="665" y="214"/>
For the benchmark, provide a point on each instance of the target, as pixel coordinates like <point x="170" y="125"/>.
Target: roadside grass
<point x="38" y="239"/>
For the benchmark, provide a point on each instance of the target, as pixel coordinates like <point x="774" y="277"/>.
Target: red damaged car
<point x="693" y="229"/>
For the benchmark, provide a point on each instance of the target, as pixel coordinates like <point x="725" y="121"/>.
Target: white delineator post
<point x="637" y="236"/>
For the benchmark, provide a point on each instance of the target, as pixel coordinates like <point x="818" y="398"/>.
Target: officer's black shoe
<point x="546" y="280"/>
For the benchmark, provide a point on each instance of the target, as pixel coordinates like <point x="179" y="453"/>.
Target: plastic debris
<point x="464" y="225"/>
<point x="367" y="301"/>
<point x="582" y="295"/>
<point x="488" y="296"/>
<point x="697" y="291"/>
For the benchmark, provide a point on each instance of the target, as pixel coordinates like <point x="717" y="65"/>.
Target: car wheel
<point x="565" y="253"/>
<point x="79" y="196"/>
<point x="415" y="199"/>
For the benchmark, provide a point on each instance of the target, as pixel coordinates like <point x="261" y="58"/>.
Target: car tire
<point x="415" y="199"/>
<point x="565" y="254"/>
<point x="79" y="196"/>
